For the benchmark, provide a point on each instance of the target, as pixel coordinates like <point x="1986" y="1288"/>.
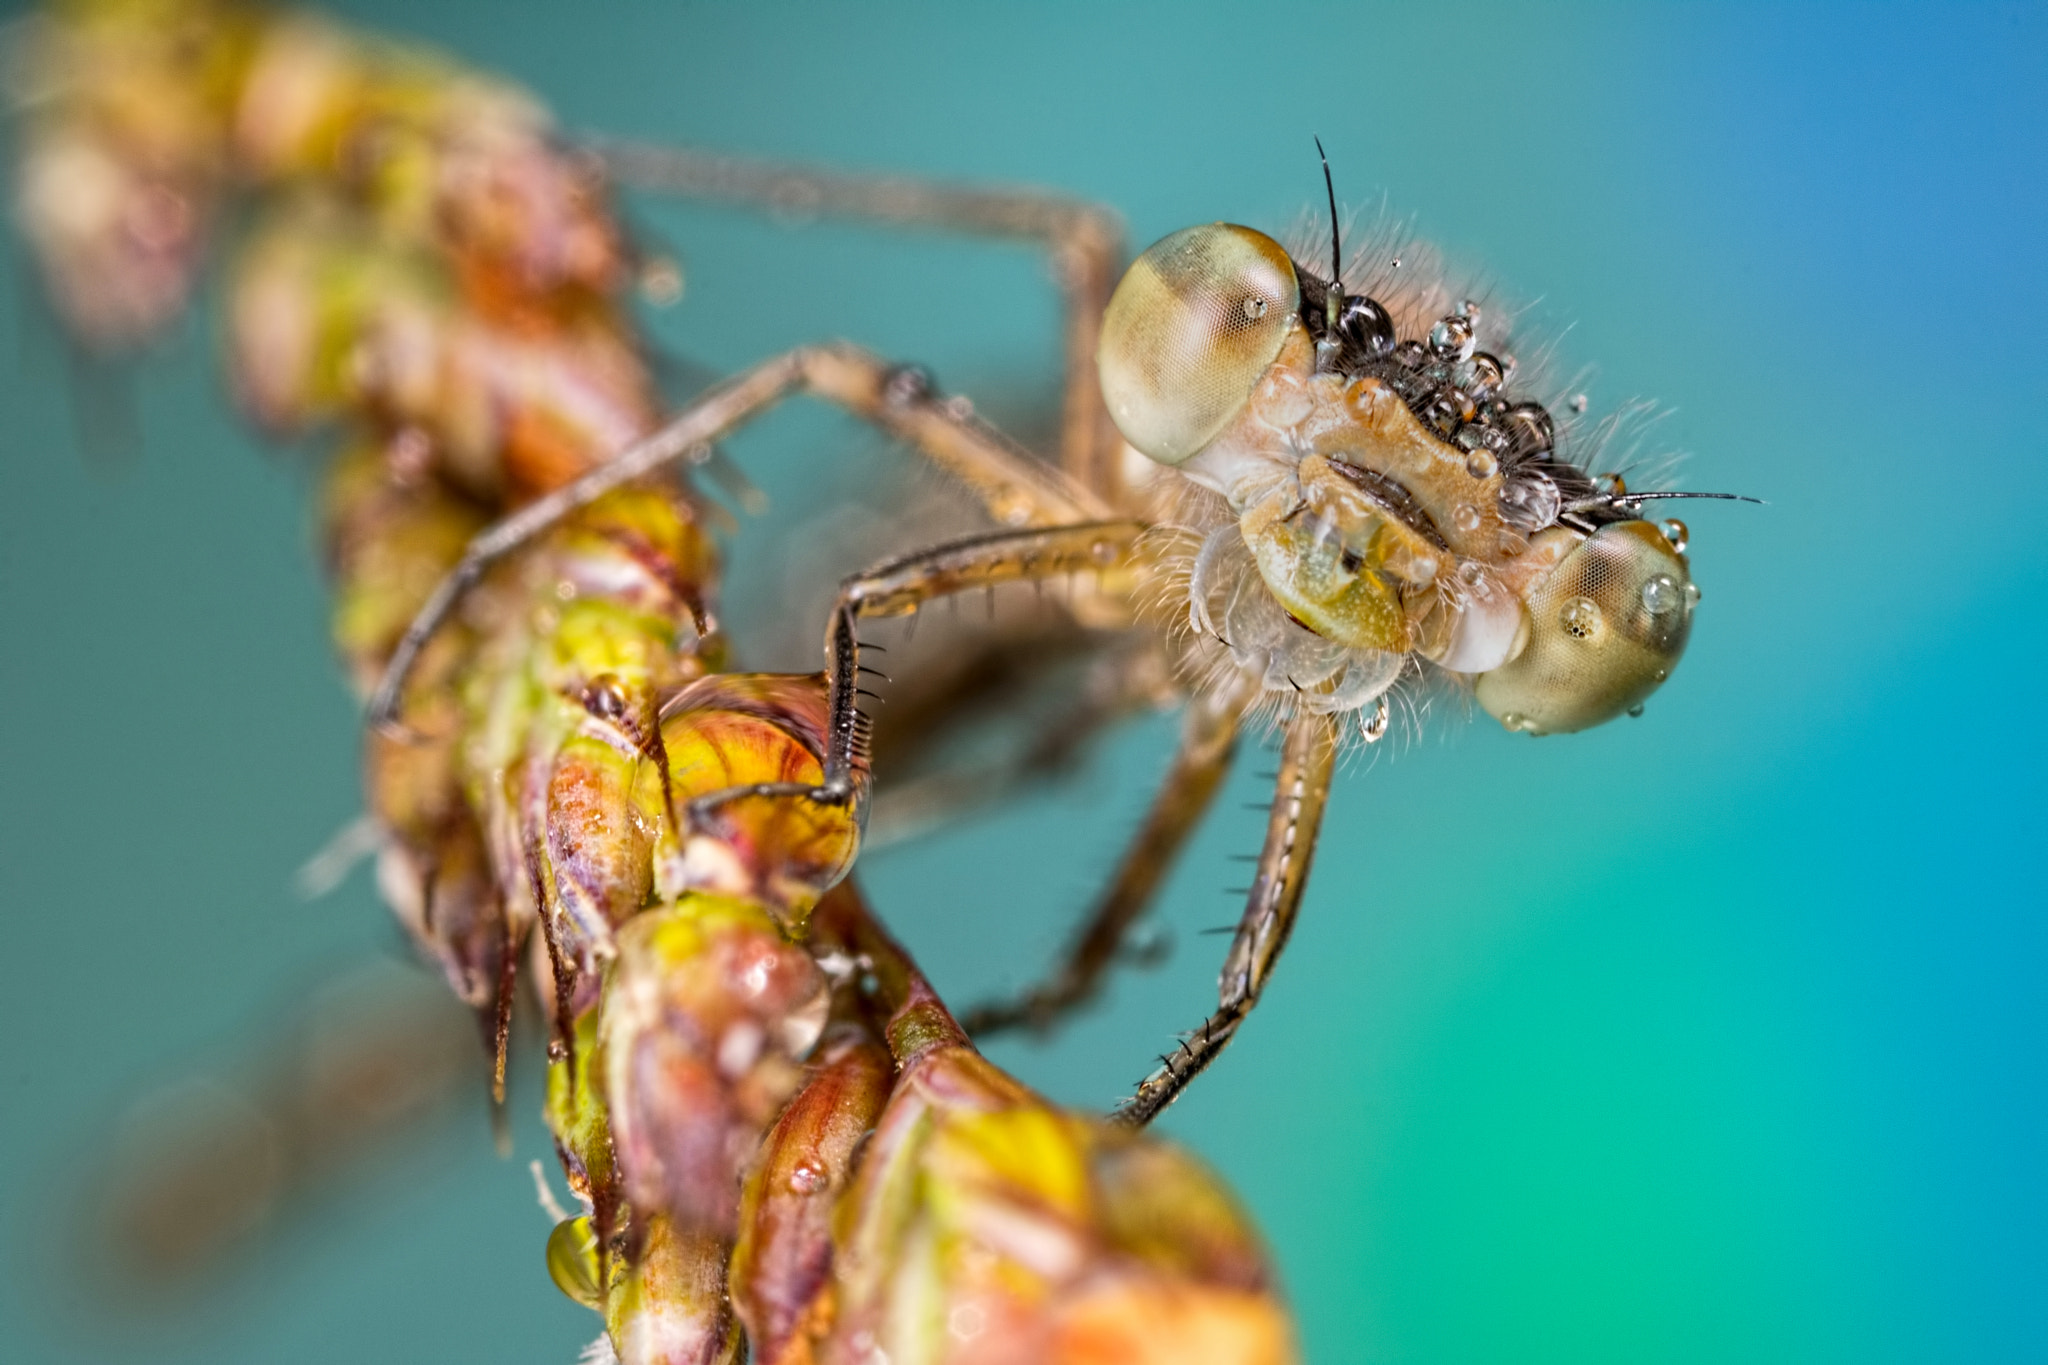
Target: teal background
<point x="1712" y="1036"/>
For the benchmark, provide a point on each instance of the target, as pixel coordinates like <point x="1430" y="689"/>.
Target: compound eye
<point x="1606" y="627"/>
<point x="1196" y="321"/>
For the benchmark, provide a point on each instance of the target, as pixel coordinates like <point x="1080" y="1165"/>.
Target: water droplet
<point x="906" y="384"/>
<point x="1443" y="410"/>
<point x="1577" y="403"/>
<point x="1147" y="946"/>
<point x="1508" y="366"/>
<point x="1613" y="485"/>
<point x="1661" y="595"/>
<point x="1410" y="354"/>
<point x="1487" y="373"/>
<point x="1692" y="594"/>
<point x="1530" y="502"/>
<point x="1529" y="429"/>
<point x="1367" y="326"/>
<point x="1581" y="619"/>
<point x="572" y="1262"/>
<point x="1372" y="728"/>
<point x="661" y="281"/>
<point x="1451" y="339"/>
<point x="604" y="698"/>
<point x="1468" y="310"/>
<point x="1636" y="712"/>
<point x="1480" y="464"/>
<point x="557" y="1050"/>
<point x="1676" y="532"/>
<point x="1254" y="308"/>
<point x="808" y="1177"/>
<point x="1465" y="517"/>
<point x="967" y="1321"/>
<point x="1661" y="674"/>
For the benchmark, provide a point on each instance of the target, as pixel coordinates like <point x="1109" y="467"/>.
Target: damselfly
<point x="1363" y="492"/>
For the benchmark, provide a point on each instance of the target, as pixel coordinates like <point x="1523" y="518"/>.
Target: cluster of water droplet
<point x="1460" y="391"/>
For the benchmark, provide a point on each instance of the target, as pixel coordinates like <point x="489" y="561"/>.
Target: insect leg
<point x="1207" y="742"/>
<point x="1016" y="487"/>
<point x="1306" y="759"/>
<point x="899" y="587"/>
<point x="1085" y="241"/>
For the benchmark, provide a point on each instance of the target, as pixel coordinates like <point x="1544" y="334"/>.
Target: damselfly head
<point x="1396" y="496"/>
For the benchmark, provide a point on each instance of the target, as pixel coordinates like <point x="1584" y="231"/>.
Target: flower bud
<point x="989" y="1225"/>
<point x="704" y="1016"/>
<point x="784" y="1256"/>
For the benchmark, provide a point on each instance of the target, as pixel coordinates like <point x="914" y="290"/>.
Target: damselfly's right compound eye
<point x="1196" y="321"/>
<point x="1606" y="627"/>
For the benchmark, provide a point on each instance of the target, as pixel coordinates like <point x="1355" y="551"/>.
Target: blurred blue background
<point x="1712" y="1036"/>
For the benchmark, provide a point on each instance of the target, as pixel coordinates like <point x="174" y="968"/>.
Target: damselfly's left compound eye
<point x="1606" y="627"/>
<point x="1196" y="321"/>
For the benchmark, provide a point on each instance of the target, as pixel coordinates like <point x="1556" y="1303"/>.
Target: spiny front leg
<point x="898" y="588"/>
<point x="1307" y="758"/>
<point x="1207" y="743"/>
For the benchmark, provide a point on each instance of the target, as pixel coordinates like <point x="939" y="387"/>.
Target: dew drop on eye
<point x="1661" y="595"/>
<point x="1581" y="619"/>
